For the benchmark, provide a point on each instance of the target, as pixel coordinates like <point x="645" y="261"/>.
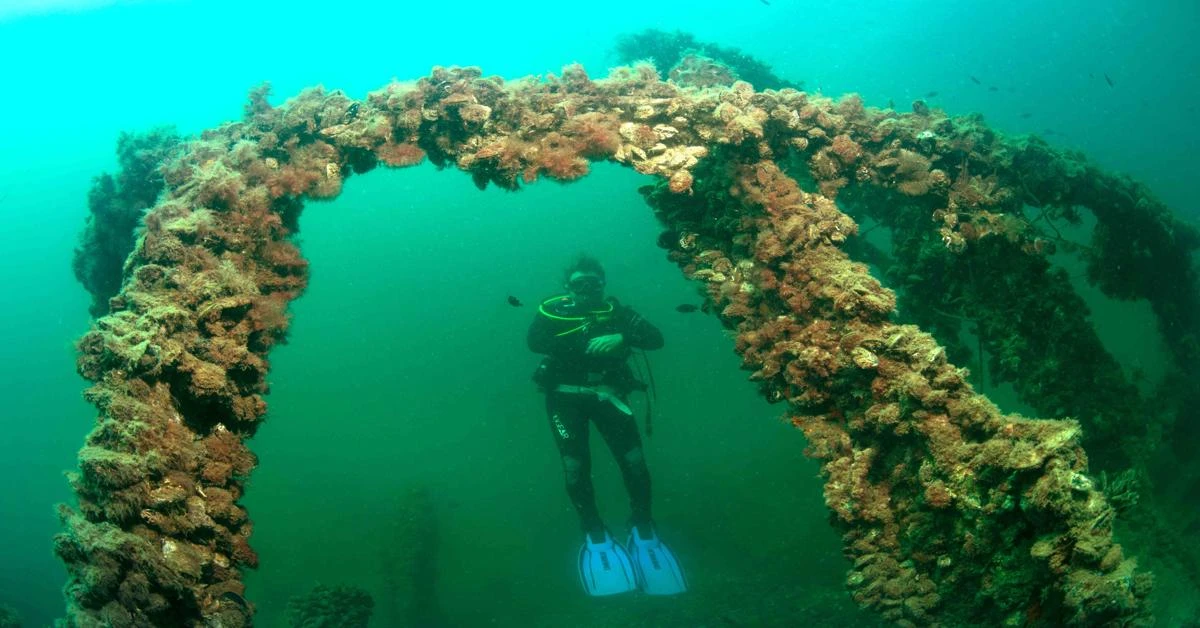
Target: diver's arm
<point x="541" y="336"/>
<point x="639" y="333"/>
<point x="546" y="337"/>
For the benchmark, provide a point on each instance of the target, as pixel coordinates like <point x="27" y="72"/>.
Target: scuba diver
<point x="587" y="340"/>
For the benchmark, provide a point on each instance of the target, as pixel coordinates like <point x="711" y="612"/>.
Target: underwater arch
<point x="404" y="395"/>
<point x="924" y="476"/>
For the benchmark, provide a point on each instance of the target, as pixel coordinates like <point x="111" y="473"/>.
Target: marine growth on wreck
<point x="951" y="511"/>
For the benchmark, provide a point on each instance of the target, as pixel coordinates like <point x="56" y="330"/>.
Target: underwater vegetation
<point x="116" y="205"/>
<point x="698" y="63"/>
<point x="951" y="511"/>
<point x="9" y="617"/>
<point x="331" y="607"/>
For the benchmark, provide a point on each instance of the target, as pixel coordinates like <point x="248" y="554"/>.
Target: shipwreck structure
<point x="952" y="512"/>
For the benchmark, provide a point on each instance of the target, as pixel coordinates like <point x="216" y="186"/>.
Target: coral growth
<point x="950" y="511"/>
<point x="919" y="501"/>
<point x="697" y="71"/>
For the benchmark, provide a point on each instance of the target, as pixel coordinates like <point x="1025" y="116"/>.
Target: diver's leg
<point x="620" y="432"/>
<point x="569" y="425"/>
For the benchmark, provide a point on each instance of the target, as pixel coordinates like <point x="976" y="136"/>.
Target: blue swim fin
<point x="658" y="572"/>
<point x="605" y="567"/>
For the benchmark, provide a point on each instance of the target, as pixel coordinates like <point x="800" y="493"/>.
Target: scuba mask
<point x="585" y="284"/>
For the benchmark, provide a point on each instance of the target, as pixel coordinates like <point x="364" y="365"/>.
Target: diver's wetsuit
<point x="567" y="373"/>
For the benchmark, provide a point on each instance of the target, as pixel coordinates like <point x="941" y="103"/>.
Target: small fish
<point x="235" y="598"/>
<point x="931" y="95"/>
<point x="975" y="80"/>
<point x="1026" y="114"/>
<point x="1049" y="132"/>
<point x="514" y="301"/>
<point x="1108" y="80"/>
<point x="993" y="88"/>
<point x="765" y="2"/>
<point x="891" y="104"/>
<point x="686" y="308"/>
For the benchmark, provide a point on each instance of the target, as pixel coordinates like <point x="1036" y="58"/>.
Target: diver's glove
<point x="605" y="344"/>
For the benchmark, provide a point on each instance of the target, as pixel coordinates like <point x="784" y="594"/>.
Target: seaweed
<point x="115" y="205"/>
<point x="667" y="50"/>
<point x="331" y="607"/>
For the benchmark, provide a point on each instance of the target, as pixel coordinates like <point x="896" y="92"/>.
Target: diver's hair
<point x="584" y="263"/>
